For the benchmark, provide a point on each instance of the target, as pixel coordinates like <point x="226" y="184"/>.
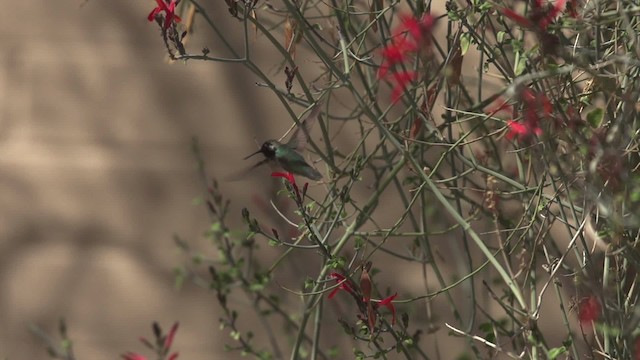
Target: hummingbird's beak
<point x="257" y="152"/>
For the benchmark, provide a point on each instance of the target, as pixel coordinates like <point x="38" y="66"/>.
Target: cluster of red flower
<point x="412" y="36"/>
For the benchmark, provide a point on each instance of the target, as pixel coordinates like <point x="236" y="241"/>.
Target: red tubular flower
<point x="344" y="284"/>
<point x="146" y="342"/>
<point x="539" y="17"/>
<point x="589" y="310"/>
<point x="522" y="131"/>
<point x="535" y="108"/>
<point x="516" y="129"/>
<point x="169" y="339"/>
<point x="397" y="51"/>
<point x="290" y="179"/>
<point x="402" y="78"/>
<point x="387" y="302"/>
<point x="286" y="175"/>
<point x="163" y="347"/>
<point x="572" y="8"/>
<point x="552" y="13"/>
<point x="410" y="37"/>
<point x="418" y="28"/>
<point x="365" y="285"/>
<point x="169" y="11"/>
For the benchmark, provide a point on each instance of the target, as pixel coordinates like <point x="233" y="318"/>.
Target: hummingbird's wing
<point x="300" y="135"/>
<point x="243" y="173"/>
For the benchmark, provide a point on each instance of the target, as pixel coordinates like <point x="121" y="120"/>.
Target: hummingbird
<point x="287" y="155"/>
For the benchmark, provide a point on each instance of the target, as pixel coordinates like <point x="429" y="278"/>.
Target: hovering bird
<point x="287" y="156"/>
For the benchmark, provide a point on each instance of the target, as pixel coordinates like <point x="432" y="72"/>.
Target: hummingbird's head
<point x="268" y="149"/>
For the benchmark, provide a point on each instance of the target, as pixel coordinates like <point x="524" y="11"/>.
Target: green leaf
<point x="197" y="259"/>
<point x="180" y="276"/>
<point x="337" y="262"/>
<point x="500" y="36"/>
<point x="595" y="116"/>
<point x="333" y="351"/>
<point x="358" y="243"/>
<point x="520" y="64"/>
<point x="485" y="5"/>
<point x="215" y="227"/>
<point x="66" y="344"/>
<point x="308" y="283"/>
<point x="465" y="41"/>
<point x="555" y="352"/>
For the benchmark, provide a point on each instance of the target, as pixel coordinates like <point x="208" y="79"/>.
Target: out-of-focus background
<point x="97" y="174"/>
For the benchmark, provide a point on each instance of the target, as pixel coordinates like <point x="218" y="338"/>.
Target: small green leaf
<point x="465" y="41"/>
<point x="215" y="227"/>
<point x="358" y="243"/>
<point x="66" y="344"/>
<point x="180" y="276"/>
<point x="197" y="259"/>
<point x="308" y="283"/>
<point x="500" y="36"/>
<point x="595" y="116"/>
<point x="485" y="5"/>
<point x="520" y="64"/>
<point x="333" y="352"/>
<point x="555" y="352"/>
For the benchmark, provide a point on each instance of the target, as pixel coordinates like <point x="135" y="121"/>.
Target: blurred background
<point x="97" y="174"/>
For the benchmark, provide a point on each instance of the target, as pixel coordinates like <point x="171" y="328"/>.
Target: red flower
<point x="402" y="78"/>
<point x="286" y="175"/>
<point x="291" y="180"/>
<point x="419" y="29"/>
<point x="412" y="35"/>
<point x="539" y="17"/>
<point x="522" y="131"/>
<point x="344" y="284"/>
<point x="387" y="302"/>
<point x="170" y="12"/>
<point x="535" y="108"/>
<point x="588" y="310"/>
<point x="537" y="20"/>
<point x="395" y="53"/>
<point x="552" y="13"/>
<point x="398" y="50"/>
<point x="163" y="344"/>
<point x="169" y="339"/>
<point x="365" y="285"/>
<point x="573" y="8"/>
